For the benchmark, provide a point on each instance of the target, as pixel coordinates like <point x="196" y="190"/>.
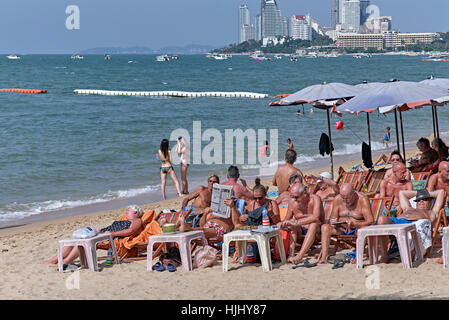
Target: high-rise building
<point x="244" y="19"/>
<point x="351" y="15"/>
<point x="301" y="27"/>
<point x="258" y="25"/>
<point x="272" y="23"/>
<point x="335" y="12"/>
<point x="364" y="4"/>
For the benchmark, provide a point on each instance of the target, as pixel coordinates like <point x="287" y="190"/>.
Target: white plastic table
<point x="241" y="238"/>
<point x="400" y="231"/>
<point x="183" y="239"/>
<point x="90" y="250"/>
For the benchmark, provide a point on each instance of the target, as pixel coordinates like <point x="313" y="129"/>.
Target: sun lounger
<point x="371" y="185"/>
<point x="356" y="178"/>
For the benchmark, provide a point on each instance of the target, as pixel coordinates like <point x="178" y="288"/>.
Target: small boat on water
<point x="174" y="57"/>
<point x="293" y="59"/>
<point x="13" y="57"/>
<point x="107" y="57"/>
<point x="259" y="57"/>
<point x="163" y="58"/>
<point x="220" y="57"/>
<point x="278" y="56"/>
<point x="77" y="57"/>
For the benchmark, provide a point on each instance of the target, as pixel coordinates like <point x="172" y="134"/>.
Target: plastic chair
<point x="183" y="239"/>
<point x="89" y="258"/>
<point x="446" y="247"/>
<point x="400" y="231"/>
<point x="241" y="238"/>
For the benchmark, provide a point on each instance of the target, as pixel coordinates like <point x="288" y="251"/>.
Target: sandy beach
<point x="22" y="277"/>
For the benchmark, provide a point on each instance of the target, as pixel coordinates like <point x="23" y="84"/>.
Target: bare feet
<point x="322" y="262"/>
<point x="439" y="260"/>
<point x="295" y="260"/>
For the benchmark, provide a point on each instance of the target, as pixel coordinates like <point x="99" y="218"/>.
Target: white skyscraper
<point x="244" y="19"/>
<point x="351" y="15"/>
<point x="301" y="27"/>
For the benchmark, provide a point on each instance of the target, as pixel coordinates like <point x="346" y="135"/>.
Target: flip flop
<point x="70" y="267"/>
<point x="338" y="263"/>
<point x="158" y="267"/>
<point x="305" y="264"/>
<point x="170" y="267"/>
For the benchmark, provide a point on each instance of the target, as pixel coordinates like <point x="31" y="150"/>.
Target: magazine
<point x="219" y="194"/>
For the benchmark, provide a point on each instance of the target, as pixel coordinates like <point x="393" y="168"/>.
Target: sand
<point x="22" y="277"/>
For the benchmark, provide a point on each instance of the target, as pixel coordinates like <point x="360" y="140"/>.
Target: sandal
<point x="305" y="264"/>
<point x="170" y="267"/>
<point x="158" y="267"/>
<point x="338" y="263"/>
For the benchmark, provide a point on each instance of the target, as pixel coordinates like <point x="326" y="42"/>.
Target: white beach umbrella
<point x="389" y="97"/>
<point x="318" y="93"/>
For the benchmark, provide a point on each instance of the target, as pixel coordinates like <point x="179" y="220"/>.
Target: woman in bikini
<point x="167" y="168"/>
<point x="132" y="226"/>
<point x="183" y="150"/>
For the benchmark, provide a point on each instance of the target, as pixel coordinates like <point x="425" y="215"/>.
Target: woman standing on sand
<point x="167" y="168"/>
<point x="183" y="149"/>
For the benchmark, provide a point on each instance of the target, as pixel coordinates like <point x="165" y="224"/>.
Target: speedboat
<point x="13" y="57"/>
<point x="174" y="57"/>
<point x="294" y="59"/>
<point x="163" y="58"/>
<point x="77" y="57"/>
<point x="259" y="57"/>
<point x="278" y="56"/>
<point x="107" y="57"/>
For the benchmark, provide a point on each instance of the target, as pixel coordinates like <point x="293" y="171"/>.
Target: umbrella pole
<point x="433" y="121"/>
<point x="402" y="134"/>
<point x="397" y="129"/>
<point x="369" y="130"/>
<point x="436" y="122"/>
<point x="330" y="141"/>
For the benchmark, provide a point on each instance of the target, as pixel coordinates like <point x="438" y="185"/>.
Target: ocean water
<point x="62" y="151"/>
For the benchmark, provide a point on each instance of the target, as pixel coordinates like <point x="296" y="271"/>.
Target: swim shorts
<point x="400" y="220"/>
<point x="219" y="230"/>
<point x="348" y="233"/>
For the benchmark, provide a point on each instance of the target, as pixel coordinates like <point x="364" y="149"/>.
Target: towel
<point x="325" y="145"/>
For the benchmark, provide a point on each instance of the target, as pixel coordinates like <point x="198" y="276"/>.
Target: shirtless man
<point x="284" y="172"/>
<point x="440" y="180"/>
<point x="212" y="225"/>
<point x="201" y="196"/>
<point x="240" y="190"/>
<point x="423" y="210"/>
<point x="428" y="156"/>
<point x="254" y="208"/>
<point x="326" y="189"/>
<point x="284" y="197"/>
<point x="398" y="181"/>
<point x="351" y="211"/>
<point x="303" y="217"/>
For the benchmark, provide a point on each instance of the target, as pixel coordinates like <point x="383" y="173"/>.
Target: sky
<point x="39" y="26"/>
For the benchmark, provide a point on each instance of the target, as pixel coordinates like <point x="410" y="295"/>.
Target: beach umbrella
<point x="326" y="96"/>
<point x="394" y="96"/>
<point x="442" y="83"/>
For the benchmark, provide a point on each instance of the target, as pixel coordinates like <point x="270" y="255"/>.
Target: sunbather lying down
<point x="130" y="227"/>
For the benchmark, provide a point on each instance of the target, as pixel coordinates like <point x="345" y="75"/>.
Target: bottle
<point x="250" y="254"/>
<point x="265" y="218"/>
<point x="109" y="259"/>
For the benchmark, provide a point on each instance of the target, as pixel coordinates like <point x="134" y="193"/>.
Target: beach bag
<point x="285" y="236"/>
<point x="84" y="233"/>
<point x="205" y="257"/>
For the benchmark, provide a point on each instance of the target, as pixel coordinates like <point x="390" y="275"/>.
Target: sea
<point x="64" y="153"/>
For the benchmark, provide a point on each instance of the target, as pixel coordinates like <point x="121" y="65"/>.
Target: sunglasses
<point x="426" y="199"/>
<point x="258" y="198"/>
<point x="213" y="181"/>
<point x="395" y="159"/>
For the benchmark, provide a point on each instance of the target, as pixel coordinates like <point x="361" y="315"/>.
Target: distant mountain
<point x="189" y="49"/>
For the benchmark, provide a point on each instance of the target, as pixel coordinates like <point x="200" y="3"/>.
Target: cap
<point x="326" y="175"/>
<point x="422" y="195"/>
